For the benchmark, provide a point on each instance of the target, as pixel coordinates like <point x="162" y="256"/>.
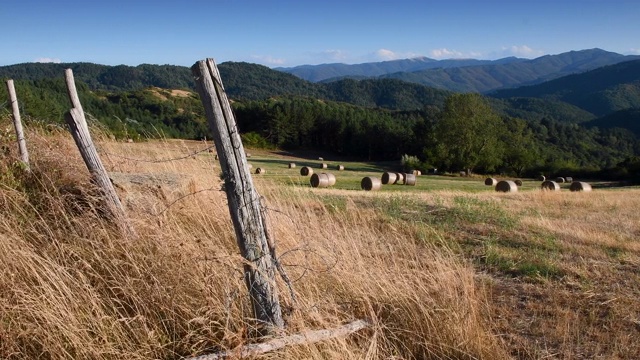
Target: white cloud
<point x="521" y="51"/>
<point x="633" y="51"/>
<point x="48" y="60"/>
<point x="384" y="54"/>
<point x="268" y="60"/>
<point x="445" y="53"/>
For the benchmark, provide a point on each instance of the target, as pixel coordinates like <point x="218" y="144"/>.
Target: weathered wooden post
<point x="17" y="124"/>
<point x="243" y="199"/>
<point x="80" y="131"/>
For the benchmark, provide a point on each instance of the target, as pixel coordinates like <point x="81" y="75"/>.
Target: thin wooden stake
<point x="17" y="124"/>
<point x="309" y="337"/>
<point x="243" y="199"/>
<point x="80" y="131"/>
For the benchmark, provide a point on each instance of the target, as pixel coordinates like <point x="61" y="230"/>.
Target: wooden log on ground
<point x="243" y="199"/>
<point x="308" y="337"/>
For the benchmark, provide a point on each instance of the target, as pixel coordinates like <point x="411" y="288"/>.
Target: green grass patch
<point x="526" y="263"/>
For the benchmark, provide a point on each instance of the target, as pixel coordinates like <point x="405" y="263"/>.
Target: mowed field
<point x="448" y="268"/>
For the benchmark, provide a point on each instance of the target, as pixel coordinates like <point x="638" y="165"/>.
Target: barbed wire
<point x="157" y="161"/>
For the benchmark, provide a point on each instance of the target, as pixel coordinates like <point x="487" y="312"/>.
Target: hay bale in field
<point x="580" y="186"/>
<point x="340" y="167"/>
<point x="518" y="182"/>
<point x="319" y="180"/>
<point x="331" y="177"/>
<point x="323" y="166"/>
<point x="490" y="181"/>
<point x="542" y="178"/>
<point x="506" y="186"/>
<point x="399" y="178"/>
<point x="306" y="171"/>
<point x="321" y="159"/>
<point x="463" y="173"/>
<point x="568" y="179"/>
<point x="370" y="183"/>
<point x="292" y="165"/>
<point x="550" y="185"/>
<point x="409" y="179"/>
<point x="389" y="178"/>
<point x="559" y="180"/>
<point x="260" y="171"/>
<point x="416" y="172"/>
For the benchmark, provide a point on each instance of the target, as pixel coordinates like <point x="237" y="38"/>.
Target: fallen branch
<point x="309" y="337"/>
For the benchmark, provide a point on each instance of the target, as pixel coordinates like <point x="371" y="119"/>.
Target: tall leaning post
<point x="17" y="124"/>
<point x="80" y="131"/>
<point x="243" y="199"/>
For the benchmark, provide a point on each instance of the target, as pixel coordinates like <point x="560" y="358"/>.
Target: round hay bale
<point x="490" y="182"/>
<point x="321" y="159"/>
<point x="506" y="186"/>
<point x="518" y="182"/>
<point x="306" y="171"/>
<point x="568" y="179"/>
<point x="542" y="178"/>
<point x="560" y="180"/>
<point x="260" y="171"/>
<point x="323" y="166"/>
<point x="331" y="177"/>
<point x="580" y="186"/>
<point x="399" y="178"/>
<point x="370" y="183"/>
<point x="550" y="185"/>
<point x="389" y="178"/>
<point x="340" y="167"/>
<point x="292" y="165"/>
<point x="463" y="173"/>
<point x="319" y="180"/>
<point x="416" y="172"/>
<point x="409" y="179"/>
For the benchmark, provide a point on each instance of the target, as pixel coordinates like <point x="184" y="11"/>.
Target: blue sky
<point x="289" y="33"/>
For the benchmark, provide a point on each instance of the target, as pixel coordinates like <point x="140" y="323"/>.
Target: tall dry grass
<point x="73" y="287"/>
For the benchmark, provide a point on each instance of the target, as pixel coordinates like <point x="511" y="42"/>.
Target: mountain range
<point x="467" y="75"/>
<point x="595" y="87"/>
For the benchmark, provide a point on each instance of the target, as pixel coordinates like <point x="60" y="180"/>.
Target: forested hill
<point x="486" y="78"/>
<point x="104" y="77"/>
<point x="317" y="73"/>
<point x="600" y="91"/>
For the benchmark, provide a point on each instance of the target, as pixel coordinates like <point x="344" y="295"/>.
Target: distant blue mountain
<point x="467" y="75"/>
<point x="317" y="73"/>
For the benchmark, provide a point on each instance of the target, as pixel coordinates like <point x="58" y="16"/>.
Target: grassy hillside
<point x="446" y="269"/>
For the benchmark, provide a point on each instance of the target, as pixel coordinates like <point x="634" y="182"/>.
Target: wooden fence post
<point x="243" y="199"/>
<point x="17" y="124"/>
<point x="80" y="131"/>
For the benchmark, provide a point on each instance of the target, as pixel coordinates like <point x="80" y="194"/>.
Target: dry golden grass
<point x="72" y="287"/>
<point x="440" y="274"/>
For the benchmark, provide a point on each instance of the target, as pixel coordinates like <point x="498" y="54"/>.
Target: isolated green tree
<point x="467" y="135"/>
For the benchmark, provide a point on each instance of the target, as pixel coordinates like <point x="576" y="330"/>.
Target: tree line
<point x="466" y="132"/>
